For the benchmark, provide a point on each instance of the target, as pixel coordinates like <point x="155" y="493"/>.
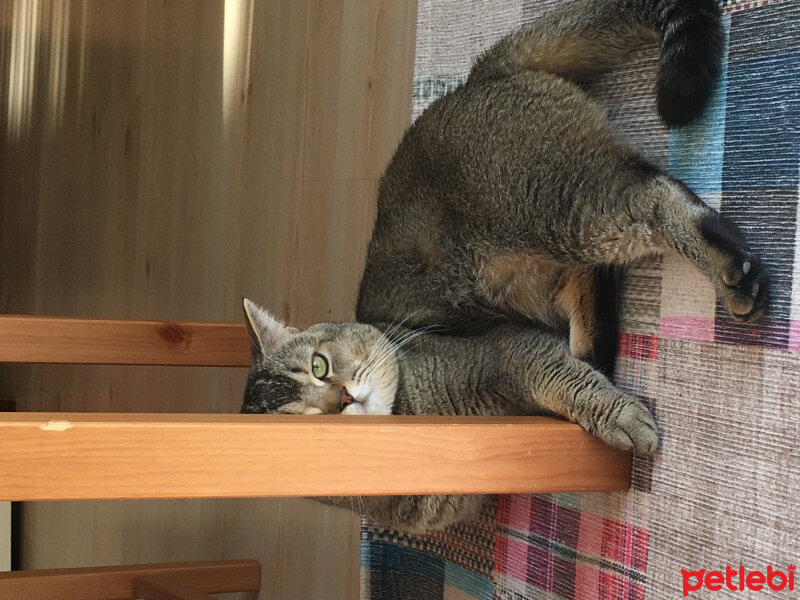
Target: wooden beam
<point x="158" y="588"/>
<point x="73" y="456"/>
<point x="29" y="339"/>
<point x="115" y="583"/>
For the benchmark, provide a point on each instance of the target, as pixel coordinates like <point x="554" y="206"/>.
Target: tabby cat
<point x="501" y="217"/>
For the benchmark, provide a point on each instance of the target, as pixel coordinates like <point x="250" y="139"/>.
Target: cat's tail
<point x="587" y="37"/>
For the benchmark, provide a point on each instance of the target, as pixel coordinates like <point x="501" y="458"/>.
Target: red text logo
<point x="738" y="579"/>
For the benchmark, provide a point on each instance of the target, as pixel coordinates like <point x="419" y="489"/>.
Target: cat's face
<point x="330" y="368"/>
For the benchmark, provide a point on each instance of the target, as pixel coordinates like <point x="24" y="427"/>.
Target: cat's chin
<point x="356" y="408"/>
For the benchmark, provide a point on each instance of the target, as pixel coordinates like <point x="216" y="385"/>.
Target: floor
<point x="162" y="159"/>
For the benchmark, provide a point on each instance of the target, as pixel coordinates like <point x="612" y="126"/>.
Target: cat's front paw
<point x="630" y="427"/>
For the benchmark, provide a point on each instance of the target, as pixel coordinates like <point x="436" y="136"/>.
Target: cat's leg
<point x="421" y="514"/>
<point x="561" y="384"/>
<point x="587" y="299"/>
<point x="658" y="213"/>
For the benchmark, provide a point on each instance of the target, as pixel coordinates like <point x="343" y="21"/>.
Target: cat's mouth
<point x="356" y="400"/>
<point x="345" y="399"/>
<point x="369" y="396"/>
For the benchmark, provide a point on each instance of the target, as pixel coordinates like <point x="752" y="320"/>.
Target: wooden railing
<point x="25" y="339"/>
<point x="61" y="456"/>
<point x="190" y="581"/>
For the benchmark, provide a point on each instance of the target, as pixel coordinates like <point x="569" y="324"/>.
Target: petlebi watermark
<point x="739" y="579"/>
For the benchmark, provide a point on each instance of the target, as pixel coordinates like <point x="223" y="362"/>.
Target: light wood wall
<point x="162" y="159"/>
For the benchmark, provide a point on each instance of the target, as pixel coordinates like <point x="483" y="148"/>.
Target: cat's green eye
<point x="319" y="366"/>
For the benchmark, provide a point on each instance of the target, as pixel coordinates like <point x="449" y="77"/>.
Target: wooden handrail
<point x="73" y="456"/>
<point x="117" y="582"/>
<point x="33" y="339"/>
<point x="155" y="588"/>
<point x="61" y="456"/>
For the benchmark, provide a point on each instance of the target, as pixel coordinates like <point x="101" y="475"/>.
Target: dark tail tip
<point x="691" y="51"/>
<point x="606" y="301"/>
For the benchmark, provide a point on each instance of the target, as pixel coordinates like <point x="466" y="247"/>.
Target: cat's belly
<point x="523" y="283"/>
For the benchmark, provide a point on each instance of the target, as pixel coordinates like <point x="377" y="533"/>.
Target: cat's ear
<point x="266" y="332"/>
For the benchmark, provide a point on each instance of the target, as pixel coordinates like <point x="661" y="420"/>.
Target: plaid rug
<point x="722" y="491"/>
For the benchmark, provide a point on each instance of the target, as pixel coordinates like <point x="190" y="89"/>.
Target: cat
<point x="501" y="217"/>
<point x="508" y="368"/>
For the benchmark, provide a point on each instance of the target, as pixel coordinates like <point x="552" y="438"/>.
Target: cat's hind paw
<point x="747" y="298"/>
<point x="741" y="280"/>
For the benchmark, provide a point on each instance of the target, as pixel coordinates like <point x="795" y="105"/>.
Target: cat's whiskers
<point x="378" y="348"/>
<point x="393" y="347"/>
<point x="386" y="354"/>
<point x="379" y="343"/>
<point x="408" y="339"/>
<point x="404" y="341"/>
<point x="383" y="345"/>
<point x="389" y="351"/>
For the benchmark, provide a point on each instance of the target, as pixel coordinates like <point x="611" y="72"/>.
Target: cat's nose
<point x="345" y="399"/>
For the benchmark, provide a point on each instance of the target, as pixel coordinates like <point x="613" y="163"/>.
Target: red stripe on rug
<point x="638" y="346"/>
